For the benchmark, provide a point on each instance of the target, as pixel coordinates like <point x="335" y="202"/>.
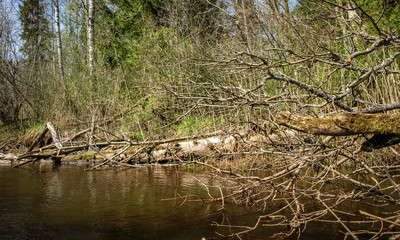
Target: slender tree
<point x="90" y="35"/>
<point x="58" y="38"/>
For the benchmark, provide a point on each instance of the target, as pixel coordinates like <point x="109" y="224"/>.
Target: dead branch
<point x="38" y="138"/>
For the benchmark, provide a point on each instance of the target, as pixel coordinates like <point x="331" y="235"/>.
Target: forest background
<point x="185" y="66"/>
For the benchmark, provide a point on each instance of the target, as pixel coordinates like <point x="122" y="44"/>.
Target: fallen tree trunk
<point x="385" y="127"/>
<point x="54" y="135"/>
<point x="164" y="150"/>
<point x="342" y="124"/>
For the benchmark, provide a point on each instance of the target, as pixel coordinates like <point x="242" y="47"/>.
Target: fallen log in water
<point x="385" y="127"/>
<point x="125" y="152"/>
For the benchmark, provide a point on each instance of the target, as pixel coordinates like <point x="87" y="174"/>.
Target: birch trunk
<point x="90" y="30"/>
<point x="58" y="39"/>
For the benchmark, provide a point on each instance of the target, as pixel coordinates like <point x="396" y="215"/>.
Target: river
<point x="65" y="202"/>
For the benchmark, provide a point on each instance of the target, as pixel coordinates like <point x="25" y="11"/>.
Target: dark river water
<point x="65" y="202"/>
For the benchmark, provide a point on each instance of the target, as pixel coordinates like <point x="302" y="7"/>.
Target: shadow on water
<point x="65" y="202"/>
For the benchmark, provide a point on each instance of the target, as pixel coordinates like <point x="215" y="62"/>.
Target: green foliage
<point x="160" y="48"/>
<point x="123" y="24"/>
<point x="139" y="44"/>
<point x="35" y="30"/>
<point x="141" y="121"/>
<point x="384" y="12"/>
<point x="192" y="125"/>
<point x="35" y="127"/>
<point x="129" y="28"/>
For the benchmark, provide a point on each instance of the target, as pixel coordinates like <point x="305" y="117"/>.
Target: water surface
<point x="65" y="202"/>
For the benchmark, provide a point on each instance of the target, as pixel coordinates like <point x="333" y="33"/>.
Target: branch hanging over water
<point x="385" y="127"/>
<point x="342" y="124"/>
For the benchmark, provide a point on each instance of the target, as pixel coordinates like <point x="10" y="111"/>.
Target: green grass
<point x="192" y="125"/>
<point x="35" y="127"/>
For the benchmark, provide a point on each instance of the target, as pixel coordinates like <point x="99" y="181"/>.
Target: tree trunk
<point x="385" y="127"/>
<point x="58" y="39"/>
<point x="90" y="30"/>
<point x="342" y="124"/>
